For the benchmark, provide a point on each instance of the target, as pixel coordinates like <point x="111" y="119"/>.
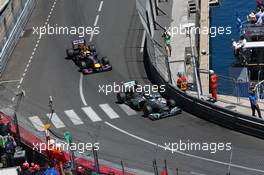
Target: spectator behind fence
<point x="51" y="170"/>
<point x="167" y="41"/>
<point x="254" y="103"/>
<point x="10" y="147"/>
<point x="3" y="140"/>
<point x="25" y="169"/>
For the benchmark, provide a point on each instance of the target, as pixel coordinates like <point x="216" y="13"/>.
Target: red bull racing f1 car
<point x="86" y="58"/>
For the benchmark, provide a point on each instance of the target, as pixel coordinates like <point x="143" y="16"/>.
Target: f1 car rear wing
<point x="78" y="42"/>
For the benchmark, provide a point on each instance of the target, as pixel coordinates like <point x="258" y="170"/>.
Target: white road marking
<point x="91" y="114"/>
<point x="143" y="41"/>
<point x="109" y="111"/>
<point x="73" y="117"/>
<point x="37" y="123"/>
<point x="81" y="90"/>
<point x="21" y="80"/>
<point x="56" y="121"/>
<point x="18" y="86"/>
<point x="96" y="20"/>
<point x="100" y="6"/>
<point x="91" y="37"/>
<point x="127" y="109"/>
<point x="13" y="99"/>
<point x="37" y="43"/>
<point x="183" y="153"/>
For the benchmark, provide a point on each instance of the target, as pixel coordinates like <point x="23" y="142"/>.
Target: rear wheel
<point x="171" y="103"/>
<point x="147" y="110"/>
<point x="121" y="97"/>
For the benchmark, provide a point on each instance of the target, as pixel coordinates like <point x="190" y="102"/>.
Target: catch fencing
<point x="158" y="58"/>
<point x="12" y="22"/>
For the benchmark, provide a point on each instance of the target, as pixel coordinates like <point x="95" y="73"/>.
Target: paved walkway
<point x="238" y="104"/>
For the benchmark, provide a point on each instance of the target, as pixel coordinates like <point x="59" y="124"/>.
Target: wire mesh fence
<point x="158" y="58"/>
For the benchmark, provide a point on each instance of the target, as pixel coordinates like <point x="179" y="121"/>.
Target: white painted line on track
<point x="81" y="90"/>
<point x="100" y="6"/>
<point x="96" y="20"/>
<point x="21" y="80"/>
<point x="127" y="109"/>
<point x="183" y="153"/>
<point x="37" y="123"/>
<point x="143" y="41"/>
<point x="91" y="114"/>
<point x="37" y="44"/>
<point x="56" y="121"/>
<point x="109" y="111"/>
<point x="91" y="37"/>
<point x="73" y="117"/>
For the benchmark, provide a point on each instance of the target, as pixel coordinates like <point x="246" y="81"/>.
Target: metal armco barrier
<point x="203" y="109"/>
<point x="12" y="23"/>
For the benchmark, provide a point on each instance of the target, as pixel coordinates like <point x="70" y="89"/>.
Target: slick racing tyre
<point x="121" y="97"/>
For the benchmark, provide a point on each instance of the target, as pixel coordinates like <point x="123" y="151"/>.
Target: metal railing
<point x="259" y="88"/>
<point x="229" y="86"/>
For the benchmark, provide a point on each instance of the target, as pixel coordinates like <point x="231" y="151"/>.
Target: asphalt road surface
<point x="92" y="116"/>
